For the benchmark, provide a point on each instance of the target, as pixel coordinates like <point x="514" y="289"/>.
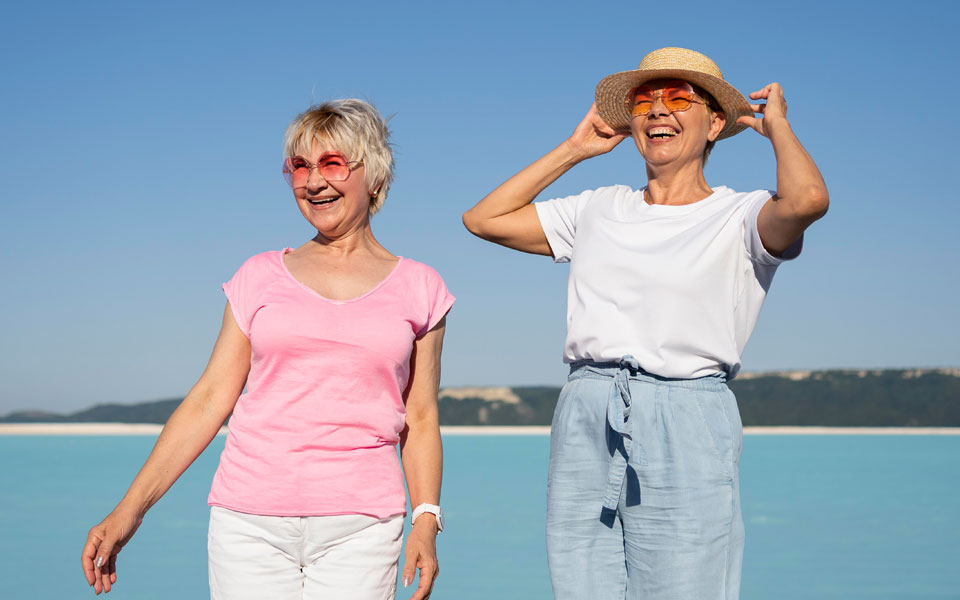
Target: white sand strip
<point x="154" y="430"/>
<point x="494" y="430"/>
<point x="791" y="430"/>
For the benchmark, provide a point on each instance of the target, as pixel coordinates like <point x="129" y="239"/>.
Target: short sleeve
<point x="558" y="218"/>
<point x="754" y="244"/>
<point x="439" y="300"/>
<point x="245" y="288"/>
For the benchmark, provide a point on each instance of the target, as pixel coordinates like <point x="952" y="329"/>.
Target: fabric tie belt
<point x="618" y="417"/>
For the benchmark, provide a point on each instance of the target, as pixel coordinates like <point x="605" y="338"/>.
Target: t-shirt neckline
<point x="316" y="294"/>
<point x="670" y="209"/>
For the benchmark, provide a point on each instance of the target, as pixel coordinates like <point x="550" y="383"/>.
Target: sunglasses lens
<point x="296" y="168"/>
<point x="334" y="167"/>
<point x="641" y="100"/>
<point x="676" y="96"/>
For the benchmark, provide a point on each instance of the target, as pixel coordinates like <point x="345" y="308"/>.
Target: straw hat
<point x="671" y="63"/>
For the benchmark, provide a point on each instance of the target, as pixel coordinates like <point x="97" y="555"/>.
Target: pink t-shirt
<point x="316" y="430"/>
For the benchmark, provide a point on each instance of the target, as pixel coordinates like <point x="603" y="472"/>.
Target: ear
<point x="719" y="122"/>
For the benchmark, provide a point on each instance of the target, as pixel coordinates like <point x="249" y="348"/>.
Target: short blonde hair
<point x="355" y="128"/>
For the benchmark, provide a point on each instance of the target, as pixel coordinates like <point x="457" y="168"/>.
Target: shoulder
<point x="425" y="293"/>
<point x="736" y="198"/>
<point x="610" y="192"/>
<point x="616" y="190"/>
<point x="261" y="267"/>
<point x="265" y="261"/>
<point x="418" y="271"/>
<point x="590" y="199"/>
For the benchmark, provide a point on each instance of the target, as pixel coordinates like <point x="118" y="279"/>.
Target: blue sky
<point x="140" y="150"/>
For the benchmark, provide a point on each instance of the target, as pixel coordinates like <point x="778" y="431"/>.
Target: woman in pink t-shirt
<point x="335" y="346"/>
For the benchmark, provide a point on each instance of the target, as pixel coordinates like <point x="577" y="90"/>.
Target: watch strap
<point x="428" y="508"/>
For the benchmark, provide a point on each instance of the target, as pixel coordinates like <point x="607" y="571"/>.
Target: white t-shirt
<point x="678" y="287"/>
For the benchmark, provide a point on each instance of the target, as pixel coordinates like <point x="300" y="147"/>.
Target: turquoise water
<point x="851" y="517"/>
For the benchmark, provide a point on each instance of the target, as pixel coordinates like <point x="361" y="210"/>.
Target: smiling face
<point x="674" y="138"/>
<point x="334" y="208"/>
<point x="353" y="127"/>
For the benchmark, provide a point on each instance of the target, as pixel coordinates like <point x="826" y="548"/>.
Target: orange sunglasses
<point x="676" y="96"/>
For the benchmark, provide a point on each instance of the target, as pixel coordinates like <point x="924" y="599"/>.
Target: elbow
<point x="814" y="204"/>
<point x="468" y="222"/>
<point x="423" y="421"/>
<point x="209" y="402"/>
<point x="473" y="223"/>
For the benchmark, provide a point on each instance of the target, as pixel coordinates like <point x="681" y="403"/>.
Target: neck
<point x="676" y="185"/>
<point x="357" y="240"/>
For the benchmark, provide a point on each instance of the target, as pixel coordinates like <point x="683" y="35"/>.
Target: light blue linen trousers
<point x="643" y="497"/>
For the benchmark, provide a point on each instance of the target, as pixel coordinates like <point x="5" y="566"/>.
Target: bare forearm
<point x="506" y="217"/>
<point x="422" y="455"/>
<point x="186" y="434"/>
<point x="523" y="188"/>
<point x="801" y="190"/>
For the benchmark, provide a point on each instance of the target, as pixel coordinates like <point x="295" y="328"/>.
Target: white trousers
<point x="303" y="558"/>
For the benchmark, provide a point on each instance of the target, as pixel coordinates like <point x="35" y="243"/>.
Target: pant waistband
<point x="589" y="368"/>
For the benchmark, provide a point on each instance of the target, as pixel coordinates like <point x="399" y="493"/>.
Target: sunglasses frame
<point x="287" y="168"/>
<point x="658" y="94"/>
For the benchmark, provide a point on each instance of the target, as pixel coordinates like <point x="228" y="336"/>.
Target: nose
<point x="315" y="180"/>
<point x="658" y="108"/>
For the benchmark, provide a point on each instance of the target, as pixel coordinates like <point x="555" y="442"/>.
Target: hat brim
<point x="612" y="93"/>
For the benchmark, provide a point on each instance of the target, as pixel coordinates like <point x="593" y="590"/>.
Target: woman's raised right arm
<point x="187" y="433"/>
<point x="507" y="217"/>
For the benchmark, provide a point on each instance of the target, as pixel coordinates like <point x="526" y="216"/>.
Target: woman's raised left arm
<point x="801" y="195"/>
<point x="422" y="455"/>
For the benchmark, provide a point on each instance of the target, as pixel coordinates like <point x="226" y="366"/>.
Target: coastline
<point x="22" y="429"/>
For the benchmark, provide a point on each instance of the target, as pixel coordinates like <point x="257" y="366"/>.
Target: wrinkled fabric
<point x="254" y="557"/>
<point x="663" y="454"/>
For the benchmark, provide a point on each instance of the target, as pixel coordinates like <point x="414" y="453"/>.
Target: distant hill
<point x="876" y="398"/>
<point x="867" y="398"/>
<point x="146" y="412"/>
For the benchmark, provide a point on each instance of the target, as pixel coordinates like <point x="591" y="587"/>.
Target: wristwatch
<point x="428" y="508"/>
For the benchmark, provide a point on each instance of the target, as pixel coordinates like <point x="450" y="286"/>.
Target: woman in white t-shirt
<point x="666" y="284"/>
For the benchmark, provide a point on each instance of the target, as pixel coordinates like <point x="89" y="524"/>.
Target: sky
<point x="140" y="166"/>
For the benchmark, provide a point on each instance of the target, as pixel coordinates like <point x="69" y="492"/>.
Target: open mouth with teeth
<point x="323" y="201"/>
<point x="662" y="133"/>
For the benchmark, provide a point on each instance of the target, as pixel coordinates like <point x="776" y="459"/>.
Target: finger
<point x="603" y="130"/>
<point x="428" y="573"/>
<point x="113" y="569"/>
<point x="748" y="121"/>
<point x="599" y="125"/>
<point x="102" y="564"/>
<point x="87" y="557"/>
<point x="593" y="114"/>
<point x="108" y="574"/>
<point x="105" y="576"/>
<point x="409" y="570"/>
<point x="424" y="589"/>
<point x="98" y="585"/>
